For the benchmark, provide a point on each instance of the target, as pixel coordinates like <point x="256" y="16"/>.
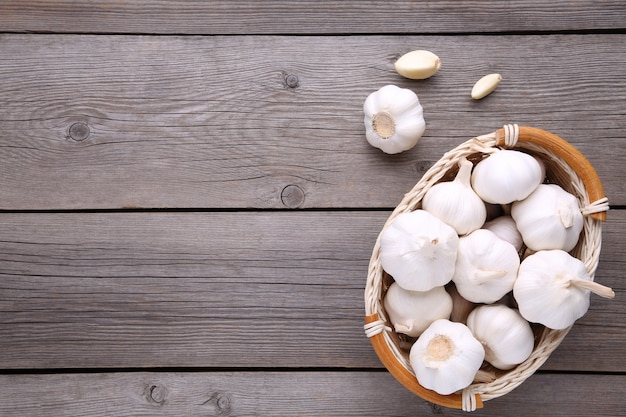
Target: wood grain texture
<point x="248" y="289"/>
<point x="99" y="122"/>
<point x="306" y="17"/>
<point x="289" y="394"/>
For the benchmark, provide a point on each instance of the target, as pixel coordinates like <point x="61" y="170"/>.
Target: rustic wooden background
<point x="188" y="204"/>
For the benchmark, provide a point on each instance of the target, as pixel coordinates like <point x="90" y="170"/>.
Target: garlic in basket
<point x="506" y="336"/>
<point x="506" y="176"/>
<point x="418" y="250"/>
<point x="394" y="119"/>
<point x="549" y="218"/>
<point x="446" y="357"/>
<point x="552" y="288"/>
<point x="455" y="202"/>
<point x="411" y="312"/>
<point x="486" y="267"/>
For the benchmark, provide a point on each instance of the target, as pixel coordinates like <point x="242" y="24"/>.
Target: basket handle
<point x="563" y="149"/>
<point x="408" y="379"/>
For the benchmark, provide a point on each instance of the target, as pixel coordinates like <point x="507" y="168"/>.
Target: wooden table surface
<point x="189" y="205"/>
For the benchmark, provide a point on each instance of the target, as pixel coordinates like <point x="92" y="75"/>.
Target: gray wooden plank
<point x="269" y="393"/>
<point x="196" y="122"/>
<point x="247" y="289"/>
<point x="241" y="17"/>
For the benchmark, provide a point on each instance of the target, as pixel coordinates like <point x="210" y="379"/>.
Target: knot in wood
<point x="222" y="403"/>
<point x="157" y="394"/>
<point x="292" y="196"/>
<point x="79" y="131"/>
<point x="291" y="80"/>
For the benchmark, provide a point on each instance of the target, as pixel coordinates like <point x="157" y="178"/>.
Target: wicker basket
<point x="565" y="166"/>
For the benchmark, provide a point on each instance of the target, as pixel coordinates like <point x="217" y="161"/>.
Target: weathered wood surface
<point x="109" y="107"/>
<point x="265" y="393"/>
<point x="330" y="17"/>
<point x="101" y="122"/>
<point x="250" y="289"/>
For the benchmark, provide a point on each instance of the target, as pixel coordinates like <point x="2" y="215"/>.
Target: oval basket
<point x="565" y="166"/>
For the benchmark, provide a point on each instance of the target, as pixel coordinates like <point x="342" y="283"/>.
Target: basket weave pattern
<point x="566" y="167"/>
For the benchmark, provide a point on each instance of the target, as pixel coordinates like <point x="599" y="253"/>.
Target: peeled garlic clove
<point x="446" y="357"/>
<point x="485" y="86"/>
<point x="418" y="65"/>
<point x="505" y="334"/>
<point x="411" y="312"/>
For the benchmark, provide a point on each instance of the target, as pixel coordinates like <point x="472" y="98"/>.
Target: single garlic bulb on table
<point x="394" y="119"/>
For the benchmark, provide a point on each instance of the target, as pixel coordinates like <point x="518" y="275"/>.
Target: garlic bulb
<point x="505" y="228"/>
<point x="506" y="336"/>
<point x="553" y="287"/>
<point x="394" y="120"/>
<point x="549" y="218"/>
<point x="486" y="267"/>
<point x="411" y="312"/>
<point x="418" y="250"/>
<point x="456" y="203"/>
<point x="446" y="357"/>
<point x="506" y="176"/>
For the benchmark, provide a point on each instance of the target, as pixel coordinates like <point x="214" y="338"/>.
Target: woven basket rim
<point x="566" y="164"/>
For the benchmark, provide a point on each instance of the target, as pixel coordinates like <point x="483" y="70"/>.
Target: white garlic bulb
<point x="549" y="218"/>
<point x="553" y="287"/>
<point x="446" y="357"/>
<point x="455" y="202"/>
<point x="486" y="267"/>
<point x="506" y="176"/>
<point x="506" y="336"/>
<point x="394" y="119"/>
<point x="411" y="312"/>
<point x="418" y="250"/>
<point x="505" y="228"/>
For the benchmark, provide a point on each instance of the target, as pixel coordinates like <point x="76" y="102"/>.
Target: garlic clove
<point x="418" y="65"/>
<point x="485" y="86"/>
<point x="553" y="288"/>
<point x="506" y="176"/>
<point x="411" y="312"/>
<point x="506" y="336"/>
<point x="455" y="203"/>
<point x="393" y="118"/>
<point x="486" y="267"/>
<point x="549" y="218"/>
<point x="446" y="357"/>
<point x="418" y="250"/>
